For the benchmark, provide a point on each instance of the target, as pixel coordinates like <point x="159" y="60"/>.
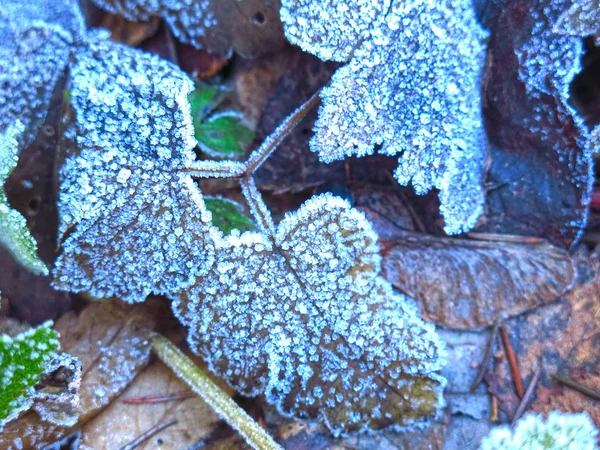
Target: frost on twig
<point x="412" y="88"/>
<point x="33" y="56"/>
<point x="23" y="358"/>
<point x="560" y="431"/>
<point x="131" y="222"/>
<point x="305" y="318"/>
<point x="14" y="234"/>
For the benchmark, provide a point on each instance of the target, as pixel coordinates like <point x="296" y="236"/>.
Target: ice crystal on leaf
<point x="305" y="318"/>
<point x="132" y="220"/>
<point x="331" y="30"/>
<point x="189" y="20"/>
<point x="581" y="18"/>
<point x="14" y="234"/>
<point x="33" y="56"/>
<point x="23" y="358"/>
<point x="561" y="431"/>
<point x="410" y="89"/>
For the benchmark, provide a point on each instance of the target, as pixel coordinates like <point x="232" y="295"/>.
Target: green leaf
<point x="14" y="234"/>
<point x="228" y="215"/>
<point x="23" y="359"/>
<point x="221" y="403"/>
<point x="224" y="134"/>
<point x="203" y="100"/>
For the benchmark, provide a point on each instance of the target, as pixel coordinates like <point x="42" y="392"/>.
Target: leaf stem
<point x="223" y="405"/>
<point x="512" y="360"/>
<point x="257" y="205"/>
<point x="577" y="386"/>
<point x="148" y="434"/>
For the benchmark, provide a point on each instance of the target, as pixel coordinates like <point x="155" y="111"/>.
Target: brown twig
<point x="512" y="360"/>
<point x="577" y="386"/>
<point x="158" y="398"/>
<point x="148" y="434"/>
<point x="486" y="357"/>
<point x="528" y="394"/>
<point x="494" y="413"/>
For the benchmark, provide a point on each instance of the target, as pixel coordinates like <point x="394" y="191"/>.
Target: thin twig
<point x="489" y="349"/>
<point x="148" y="434"/>
<point x="158" y="398"/>
<point x="577" y="386"/>
<point x="270" y="144"/>
<point x="220" y="402"/>
<point x="512" y="360"/>
<point x="494" y="412"/>
<point x="506" y="238"/>
<point x="258" y="208"/>
<point x="528" y="394"/>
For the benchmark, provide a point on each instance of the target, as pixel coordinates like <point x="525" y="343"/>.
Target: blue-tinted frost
<point x="133" y="222"/>
<point x="560" y="431"/>
<point x="412" y="88"/>
<point x="190" y="20"/>
<point x="33" y="56"/>
<point x="307" y="320"/>
<point x="580" y="18"/>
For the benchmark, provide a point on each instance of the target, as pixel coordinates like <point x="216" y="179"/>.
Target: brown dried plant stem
<point x="577" y="386"/>
<point x="489" y="349"/>
<point x="148" y="434"/>
<point x="528" y="394"/>
<point x="512" y="360"/>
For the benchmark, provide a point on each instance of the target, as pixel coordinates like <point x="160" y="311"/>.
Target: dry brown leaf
<point x="564" y="338"/>
<point x="464" y="283"/>
<point x="111" y="341"/>
<point x="121" y="423"/>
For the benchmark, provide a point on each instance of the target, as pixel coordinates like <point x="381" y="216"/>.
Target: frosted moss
<point x="23" y="359"/>
<point x="412" y="88"/>
<point x="560" y="431"/>
<point x="14" y="234"/>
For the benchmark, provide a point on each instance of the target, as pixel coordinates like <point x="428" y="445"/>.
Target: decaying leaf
<point x="306" y="319"/>
<point x="541" y="168"/>
<point x="14" y="234"/>
<point x="466" y="283"/>
<point x="249" y="28"/>
<point x="124" y="192"/>
<point x="563" y="337"/>
<point x="410" y="89"/>
<point x="23" y="359"/>
<point x="557" y="432"/>
<point x="112" y="342"/>
<point x="121" y="423"/>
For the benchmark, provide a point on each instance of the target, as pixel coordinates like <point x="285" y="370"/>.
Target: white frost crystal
<point x="132" y="221"/>
<point x="412" y="88"/>
<point x="189" y="20"/>
<point x="307" y="320"/>
<point x="331" y="30"/>
<point x="561" y="431"/>
<point x="14" y="234"/>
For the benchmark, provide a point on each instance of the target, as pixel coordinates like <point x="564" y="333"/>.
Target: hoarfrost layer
<point x="133" y="222"/>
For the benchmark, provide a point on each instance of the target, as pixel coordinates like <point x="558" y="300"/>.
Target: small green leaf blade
<point x="23" y="359"/>
<point x="203" y="100"/>
<point x="224" y="134"/>
<point x="228" y="215"/>
<point x="14" y="234"/>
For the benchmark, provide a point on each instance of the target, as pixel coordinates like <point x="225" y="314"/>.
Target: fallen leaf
<point x="466" y="283"/>
<point x="123" y="30"/>
<point x="121" y="423"/>
<point x="112" y="342"/>
<point x="564" y="338"/>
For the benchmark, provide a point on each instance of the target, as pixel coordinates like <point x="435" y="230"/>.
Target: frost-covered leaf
<point x="223" y="134"/>
<point x="112" y="342"/>
<point x="558" y="431"/>
<point x="65" y="14"/>
<point x="412" y="89"/>
<point x="467" y="283"/>
<point x="582" y="18"/>
<point x="132" y="221"/>
<point x="228" y="215"/>
<point x="332" y="30"/>
<point x="248" y="27"/>
<point x="33" y="56"/>
<point x="306" y="319"/>
<point x="541" y="156"/>
<point x="14" y="234"/>
<point x="23" y="358"/>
